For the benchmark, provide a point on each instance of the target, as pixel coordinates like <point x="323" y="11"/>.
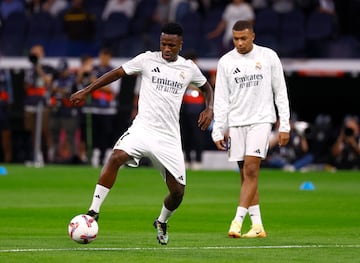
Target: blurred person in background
<point x="293" y="156"/>
<point x="37" y="83"/>
<point x="103" y="109"/>
<point x="128" y="7"/>
<point x="8" y="7"/>
<point x="83" y="78"/>
<point x="6" y="100"/>
<point x="346" y="149"/>
<point x="79" y="24"/>
<point x="79" y="28"/>
<point x="193" y="137"/>
<point x="55" y="7"/>
<point x="283" y="6"/>
<point x="64" y="120"/>
<point x="161" y="13"/>
<point x="234" y="11"/>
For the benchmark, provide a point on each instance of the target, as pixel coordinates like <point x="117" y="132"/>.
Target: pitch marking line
<point x="171" y="248"/>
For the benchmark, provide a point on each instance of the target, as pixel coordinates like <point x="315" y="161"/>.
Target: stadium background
<point x="318" y="82"/>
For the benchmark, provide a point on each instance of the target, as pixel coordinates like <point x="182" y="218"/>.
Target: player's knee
<point x="251" y="170"/>
<point x="118" y="158"/>
<point x="177" y="193"/>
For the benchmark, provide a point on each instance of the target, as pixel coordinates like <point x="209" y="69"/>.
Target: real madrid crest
<point x="258" y="65"/>
<point x="182" y="74"/>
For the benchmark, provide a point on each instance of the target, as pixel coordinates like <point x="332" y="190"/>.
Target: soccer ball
<point x="83" y="229"/>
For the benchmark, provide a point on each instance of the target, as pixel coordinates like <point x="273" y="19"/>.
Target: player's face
<point x="243" y="40"/>
<point x="170" y="46"/>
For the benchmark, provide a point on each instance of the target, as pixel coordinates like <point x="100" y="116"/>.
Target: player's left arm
<point x="281" y="100"/>
<point x="206" y="116"/>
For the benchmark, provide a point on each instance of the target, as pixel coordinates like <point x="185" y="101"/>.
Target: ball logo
<point x="83" y="229"/>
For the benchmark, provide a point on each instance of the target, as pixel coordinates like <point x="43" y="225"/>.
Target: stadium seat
<point x="193" y="31"/>
<point x="116" y="26"/>
<point x="182" y="9"/>
<point x="142" y="19"/>
<point x="13" y="34"/>
<point x="114" y="32"/>
<point x="40" y="29"/>
<point x="95" y="7"/>
<point x="346" y="47"/>
<point x="292" y="34"/>
<point x="320" y="28"/>
<point x="267" y="26"/>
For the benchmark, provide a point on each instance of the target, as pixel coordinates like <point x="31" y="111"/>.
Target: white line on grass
<point x="170" y="248"/>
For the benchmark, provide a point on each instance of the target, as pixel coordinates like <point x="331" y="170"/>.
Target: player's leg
<point x="258" y="139"/>
<point x="171" y="202"/>
<point x="236" y="152"/>
<point x="106" y="180"/>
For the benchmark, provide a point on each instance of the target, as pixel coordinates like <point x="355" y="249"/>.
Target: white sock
<point x="100" y="194"/>
<point x="255" y="215"/>
<point x="240" y="214"/>
<point x="164" y="214"/>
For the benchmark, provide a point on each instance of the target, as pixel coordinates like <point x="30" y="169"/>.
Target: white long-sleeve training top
<point x="248" y="90"/>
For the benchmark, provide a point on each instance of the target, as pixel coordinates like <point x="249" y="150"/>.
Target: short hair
<point x="241" y="25"/>
<point x="172" y="29"/>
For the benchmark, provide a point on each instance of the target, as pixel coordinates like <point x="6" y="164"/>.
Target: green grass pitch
<point x="36" y="205"/>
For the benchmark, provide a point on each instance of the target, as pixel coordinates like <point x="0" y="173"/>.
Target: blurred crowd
<point x="294" y="28"/>
<point x="54" y="130"/>
<point x="321" y="145"/>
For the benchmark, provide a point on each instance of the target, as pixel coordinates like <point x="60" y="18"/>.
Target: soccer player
<point x="155" y="131"/>
<point x="249" y="85"/>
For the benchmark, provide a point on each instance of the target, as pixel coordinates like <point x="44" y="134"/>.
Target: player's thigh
<point x="250" y="140"/>
<point x="168" y="156"/>
<point x="257" y="140"/>
<point x="133" y="143"/>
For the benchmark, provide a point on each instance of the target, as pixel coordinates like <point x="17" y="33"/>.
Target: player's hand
<point x="78" y="98"/>
<point x="221" y="145"/>
<point x="284" y="138"/>
<point x="205" y="119"/>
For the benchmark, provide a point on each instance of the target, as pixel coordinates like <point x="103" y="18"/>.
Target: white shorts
<point x="250" y="140"/>
<point x="164" y="152"/>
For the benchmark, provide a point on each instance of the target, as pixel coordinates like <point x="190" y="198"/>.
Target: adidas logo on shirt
<point x="155" y="70"/>
<point x="258" y="151"/>
<point x="237" y="70"/>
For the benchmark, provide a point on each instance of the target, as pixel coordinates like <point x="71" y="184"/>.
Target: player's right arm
<point x="79" y="96"/>
<point x="221" y="108"/>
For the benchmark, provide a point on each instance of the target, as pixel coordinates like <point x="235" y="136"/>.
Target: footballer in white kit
<point x="155" y="131"/>
<point x="162" y="88"/>
<point x="250" y="95"/>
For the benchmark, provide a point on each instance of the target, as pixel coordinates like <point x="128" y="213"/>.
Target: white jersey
<point x="247" y="85"/>
<point x="162" y="88"/>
